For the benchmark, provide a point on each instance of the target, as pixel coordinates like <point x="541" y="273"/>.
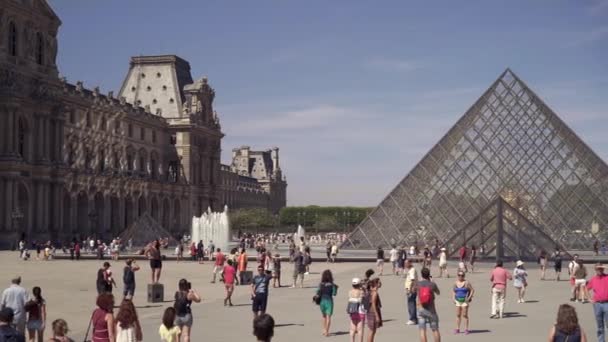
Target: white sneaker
<point x="306" y="273"/>
<point x="410" y="323"/>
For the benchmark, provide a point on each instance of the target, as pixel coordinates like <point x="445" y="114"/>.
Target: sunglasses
<point x="461" y="275"/>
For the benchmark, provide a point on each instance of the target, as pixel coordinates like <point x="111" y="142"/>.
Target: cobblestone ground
<point x="69" y="288"/>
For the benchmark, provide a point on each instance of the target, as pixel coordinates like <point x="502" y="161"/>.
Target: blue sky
<point x="353" y="92"/>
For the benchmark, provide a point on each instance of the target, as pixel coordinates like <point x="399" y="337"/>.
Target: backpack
<point x="425" y="295"/>
<point x="366" y="300"/>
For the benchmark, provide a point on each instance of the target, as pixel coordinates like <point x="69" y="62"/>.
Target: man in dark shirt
<point x="7" y="332"/>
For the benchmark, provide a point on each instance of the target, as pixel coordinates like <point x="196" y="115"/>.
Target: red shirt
<point x="220" y="259"/>
<point x="229" y="273"/>
<point x="462" y="252"/>
<point x="599" y="285"/>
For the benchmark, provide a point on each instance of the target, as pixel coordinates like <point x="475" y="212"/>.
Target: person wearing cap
<point x="463" y="294"/>
<point x="15" y="298"/>
<point x="443" y="263"/>
<point x="599" y="285"/>
<point x="7" y="332"/>
<point x="356" y="310"/>
<point x="427" y="312"/>
<point x="519" y="280"/>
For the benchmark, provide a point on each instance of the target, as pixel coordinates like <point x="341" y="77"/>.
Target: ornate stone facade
<point x="254" y="179"/>
<point x="74" y="161"/>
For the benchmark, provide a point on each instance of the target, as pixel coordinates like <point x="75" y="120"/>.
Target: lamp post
<point x="16" y="216"/>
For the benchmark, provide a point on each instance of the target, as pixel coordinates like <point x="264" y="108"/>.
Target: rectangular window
<point x="117" y="127"/>
<point x="130" y="131"/>
<point x="153" y="136"/>
<point x="142" y="133"/>
<point x="172" y="139"/>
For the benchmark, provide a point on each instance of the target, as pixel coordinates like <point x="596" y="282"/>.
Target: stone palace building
<point x="74" y="161"/>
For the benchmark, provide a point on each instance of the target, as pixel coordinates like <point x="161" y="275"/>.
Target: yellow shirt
<point x="168" y="335"/>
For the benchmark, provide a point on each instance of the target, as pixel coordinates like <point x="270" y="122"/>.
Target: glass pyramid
<point x="511" y="146"/>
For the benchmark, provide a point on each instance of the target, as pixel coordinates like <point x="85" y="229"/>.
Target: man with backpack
<point x="427" y="314"/>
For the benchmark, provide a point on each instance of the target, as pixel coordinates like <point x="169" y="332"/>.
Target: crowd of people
<point x="22" y="312"/>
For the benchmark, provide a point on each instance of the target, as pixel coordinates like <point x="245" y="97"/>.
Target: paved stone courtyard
<point x="69" y="288"/>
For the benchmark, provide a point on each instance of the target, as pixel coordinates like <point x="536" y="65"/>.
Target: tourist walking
<point x="193" y="251"/>
<point x="599" y="285"/>
<point x="463" y="294"/>
<point x="356" y="310"/>
<point x="168" y="331"/>
<point x="328" y="246"/>
<point x="411" y="279"/>
<point x="218" y="266"/>
<point x="259" y="292"/>
<point x="263" y="328"/>
<point x="276" y="271"/>
<point x="307" y="259"/>
<point x="393" y="257"/>
<point x="402" y="258"/>
<point x="179" y="250"/>
<point x="128" y="278"/>
<point x="473" y="257"/>
<point x="7" y="332"/>
<point x="463" y="253"/>
<point x="542" y="261"/>
<point x="520" y="281"/>
<point x="15" y="297"/>
<point x="128" y="328"/>
<point x="443" y="263"/>
<point x="36" y="315"/>
<point x="499" y="278"/>
<point x="299" y="269"/>
<point x="427" y="258"/>
<point x="427" y="313"/>
<point x="580" y="281"/>
<point x="102" y="320"/>
<point x="379" y="260"/>
<point x="373" y="316"/>
<point x="334" y="251"/>
<point x="557" y="263"/>
<point x="242" y="261"/>
<point x="566" y="327"/>
<point x="326" y="292"/>
<point x="60" y="331"/>
<point x="229" y="273"/>
<point x="184" y="297"/>
<point x="156" y="264"/>
<point x="104" y="279"/>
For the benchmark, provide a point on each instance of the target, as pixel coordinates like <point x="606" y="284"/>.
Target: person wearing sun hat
<point x="355" y="309"/>
<point x="520" y="281"/>
<point x="599" y="285"/>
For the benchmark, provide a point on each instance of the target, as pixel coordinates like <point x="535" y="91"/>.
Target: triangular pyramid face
<point x="509" y="144"/>
<point x="145" y="230"/>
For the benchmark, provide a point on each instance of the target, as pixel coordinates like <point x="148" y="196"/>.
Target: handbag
<point x="316" y="299"/>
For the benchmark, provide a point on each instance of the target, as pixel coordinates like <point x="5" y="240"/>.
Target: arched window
<point x="88" y="159"/>
<point x="116" y="161"/>
<point x="21" y="138"/>
<point x="103" y="125"/>
<point x="12" y="39"/>
<point x="71" y="155"/>
<point x="39" y="48"/>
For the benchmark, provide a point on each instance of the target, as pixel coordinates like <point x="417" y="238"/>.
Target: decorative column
<point x="46" y="151"/>
<point x="9" y="200"/>
<point x="10" y="133"/>
<point x="121" y="216"/>
<point x="73" y="221"/>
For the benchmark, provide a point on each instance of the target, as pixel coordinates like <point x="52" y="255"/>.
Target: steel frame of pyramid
<point x="509" y="144"/>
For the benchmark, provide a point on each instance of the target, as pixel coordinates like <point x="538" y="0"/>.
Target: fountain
<point x="212" y="226"/>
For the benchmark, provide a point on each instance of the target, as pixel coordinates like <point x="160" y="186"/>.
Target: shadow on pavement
<point x="288" y="325"/>
<point x="479" y="331"/>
